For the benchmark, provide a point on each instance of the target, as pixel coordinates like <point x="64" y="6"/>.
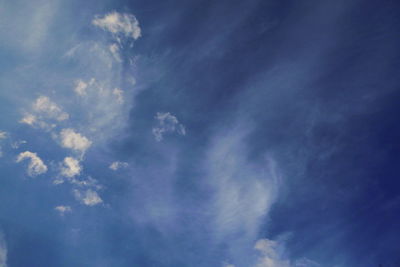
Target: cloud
<point x="114" y="49"/>
<point x="117" y="165"/>
<point x="73" y="140"/>
<point x="43" y="105"/>
<point x="118" y="23"/>
<point x="3" y="135"/>
<point x="270" y="254"/>
<point x="304" y="262"/>
<point x="36" y="165"/>
<point x="119" y="94"/>
<point x="167" y="123"/>
<point x="63" y="209"/>
<point x="17" y="144"/>
<point x="3" y="251"/>
<point x="43" y="109"/>
<point x="28" y="119"/>
<point x="88" y="197"/>
<point x="70" y="167"/>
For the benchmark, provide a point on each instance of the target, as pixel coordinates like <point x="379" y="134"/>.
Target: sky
<point x="172" y="133"/>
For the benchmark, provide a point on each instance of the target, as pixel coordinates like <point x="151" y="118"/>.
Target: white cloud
<point x="167" y="123"/>
<point x="114" y="49"/>
<point x="88" y="197"/>
<point x="36" y="165"/>
<point x="43" y="109"/>
<point x="70" y="167"/>
<point x="117" y="23"/>
<point x="270" y="254"/>
<point x="63" y="209"/>
<point x="119" y="94"/>
<point x="3" y="251"/>
<point x="73" y="140"/>
<point x="43" y="105"/>
<point x="82" y="86"/>
<point x="28" y="119"/>
<point x="117" y="165"/>
<point x="3" y="135"/>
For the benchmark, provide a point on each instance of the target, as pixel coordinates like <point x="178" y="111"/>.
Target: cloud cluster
<point x="36" y="165"/>
<point x="88" y="197"/>
<point x="119" y="23"/>
<point x="167" y="123"/>
<point x="44" y="113"/>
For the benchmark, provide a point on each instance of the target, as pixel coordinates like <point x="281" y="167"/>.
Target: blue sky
<point x="199" y="133"/>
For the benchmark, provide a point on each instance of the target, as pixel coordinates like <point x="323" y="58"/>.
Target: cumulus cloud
<point x="88" y="197"/>
<point x="43" y="105"/>
<point x="73" y="140"/>
<point x="117" y="165"/>
<point x="3" y="251"/>
<point x="63" y="209"/>
<point x="43" y="110"/>
<point x="167" y="123"/>
<point x="119" y="23"/>
<point x="29" y="119"/>
<point x="36" y="165"/>
<point x="70" y="167"/>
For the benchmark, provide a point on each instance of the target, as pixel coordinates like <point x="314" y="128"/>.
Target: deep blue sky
<point x="199" y="133"/>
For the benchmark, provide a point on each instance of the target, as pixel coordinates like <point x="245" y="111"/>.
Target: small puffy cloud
<point x="70" y="167"/>
<point x="73" y="140"/>
<point x="63" y="209"/>
<point x="3" y="251"/>
<point x="117" y="165"/>
<point x="88" y="197"/>
<point x="43" y="105"/>
<point x="36" y="165"/>
<point x="28" y="119"/>
<point x="167" y="123"/>
<point x="119" y="23"/>
<point x="270" y="254"/>
<point x="119" y="94"/>
<point x="3" y="135"/>
<point x="82" y="86"/>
